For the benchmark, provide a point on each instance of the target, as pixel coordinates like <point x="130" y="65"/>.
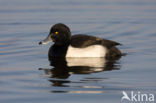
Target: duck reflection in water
<point x="64" y="67"/>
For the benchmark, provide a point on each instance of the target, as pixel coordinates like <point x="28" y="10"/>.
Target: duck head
<point x="59" y="34"/>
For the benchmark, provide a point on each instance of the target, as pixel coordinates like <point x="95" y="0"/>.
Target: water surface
<point x="27" y="76"/>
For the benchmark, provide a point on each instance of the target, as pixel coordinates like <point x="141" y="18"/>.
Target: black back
<point x="82" y="41"/>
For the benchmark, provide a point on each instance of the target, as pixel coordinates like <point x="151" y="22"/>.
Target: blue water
<point x="25" y="72"/>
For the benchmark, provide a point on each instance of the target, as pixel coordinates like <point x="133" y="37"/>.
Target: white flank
<point x="90" y="51"/>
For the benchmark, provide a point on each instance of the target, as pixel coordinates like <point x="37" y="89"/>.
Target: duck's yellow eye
<point x="56" y="32"/>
